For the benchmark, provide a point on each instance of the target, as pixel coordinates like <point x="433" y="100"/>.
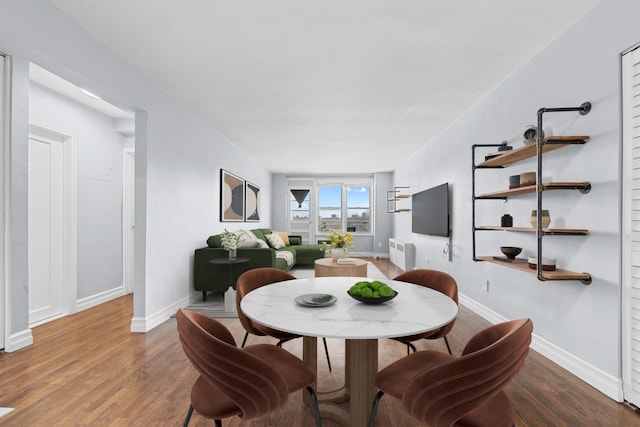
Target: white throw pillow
<point x="248" y="239"/>
<point x="262" y="244"/>
<point x="275" y="241"/>
<point x="249" y="243"/>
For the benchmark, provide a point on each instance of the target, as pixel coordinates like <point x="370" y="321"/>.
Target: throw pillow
<point x="275" y="241"/>
<point x="284" y="236"/>
<point x="249" y="240"/>
<point x="262" y="244"/>
<point x="249" y="244"/>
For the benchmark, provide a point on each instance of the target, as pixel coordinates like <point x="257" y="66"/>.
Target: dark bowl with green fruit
<point x="372" y="292"/>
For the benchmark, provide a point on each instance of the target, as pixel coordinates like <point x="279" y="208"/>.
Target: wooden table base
<point x="361" y="365"/>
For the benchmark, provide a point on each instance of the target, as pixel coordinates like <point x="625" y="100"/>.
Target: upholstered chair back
<point x="439" y="281"/>
<point x="443" y="394"/>
<point x="252" y="384"/>
<point x="253" y="279"/>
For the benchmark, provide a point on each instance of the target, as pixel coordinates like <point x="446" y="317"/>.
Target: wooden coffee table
<point x="327" y="267"/>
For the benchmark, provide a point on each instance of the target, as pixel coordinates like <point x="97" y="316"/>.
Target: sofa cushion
<point x="284" y="236"/>
<point x="288" y="256"/>
<point x="259" y="234"/>
<point x="265" y="231"/>
<point x="248" y="239"/>
<point x="295" y="240"/>
<point x="275" y="241"/>
<point x="215" y="241"/>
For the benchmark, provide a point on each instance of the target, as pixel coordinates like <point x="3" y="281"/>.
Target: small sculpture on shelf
<point x="546" y="219"/>
<point x="510" y="251"/>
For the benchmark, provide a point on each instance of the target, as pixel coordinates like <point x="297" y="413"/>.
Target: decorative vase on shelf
<point x="545" y="218"/>
<point x="233" y="254"/>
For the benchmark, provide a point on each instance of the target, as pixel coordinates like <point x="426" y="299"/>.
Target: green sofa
<point x="208" y="277"/>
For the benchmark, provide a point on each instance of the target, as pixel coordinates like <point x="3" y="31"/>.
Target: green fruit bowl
<point x="373" y="300"/>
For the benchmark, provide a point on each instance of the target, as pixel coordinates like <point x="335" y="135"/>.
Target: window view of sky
<point x="331" y="197"/>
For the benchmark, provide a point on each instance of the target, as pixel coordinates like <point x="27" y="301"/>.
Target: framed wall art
<point x="231" y="197"/>
<point x="252" y="202"/>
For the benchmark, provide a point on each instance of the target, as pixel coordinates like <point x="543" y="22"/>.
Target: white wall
<point x="178" y="158"/>
<point x="582" y="65"/>
<point x="99" y="186"/>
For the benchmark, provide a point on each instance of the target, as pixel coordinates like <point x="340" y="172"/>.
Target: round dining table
<point x="287" y="306"/>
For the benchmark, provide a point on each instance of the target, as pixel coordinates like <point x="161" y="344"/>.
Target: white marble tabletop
<point x="414" y="310"/>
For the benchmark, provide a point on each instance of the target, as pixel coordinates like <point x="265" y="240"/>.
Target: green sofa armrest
<point x="208" y="277"/>
<point x="295" y="240"/>
<point x="308" y="254"/>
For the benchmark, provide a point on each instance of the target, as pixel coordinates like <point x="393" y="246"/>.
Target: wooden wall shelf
<point x="393" y="197"/>
<point x="528" y="151"/>
<point x="583" y="186"/>
<point x="508" y="157"/>
<point x="546" y="231"/>
<point x="522" y="265"/>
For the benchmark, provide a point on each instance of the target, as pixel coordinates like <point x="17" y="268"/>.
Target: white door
<point x="300" y="211"/>
<point x="631" y="227"/>
<point x="128" y="211"/>
<point x="3" y="141"/>
<point x="46" y="228"/>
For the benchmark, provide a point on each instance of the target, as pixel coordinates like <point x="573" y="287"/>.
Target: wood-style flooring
<point x="89" y="370"/>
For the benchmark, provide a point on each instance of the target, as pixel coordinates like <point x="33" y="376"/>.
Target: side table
<point x="229" y="295"/>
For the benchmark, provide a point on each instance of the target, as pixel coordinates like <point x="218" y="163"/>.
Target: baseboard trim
<point x="20" y="340"/>
<point x="606" y="383"/>
<point x="145" y="324"/>
<point x="100" y="298"/>
<point x="369" y="254"/>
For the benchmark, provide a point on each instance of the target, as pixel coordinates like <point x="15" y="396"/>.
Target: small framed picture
<point x="231" y="197"/>
<point x="252" y="202"/>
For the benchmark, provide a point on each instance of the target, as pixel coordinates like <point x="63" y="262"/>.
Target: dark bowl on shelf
<point x="373" y="300"/>
<point x="511" y="251"/>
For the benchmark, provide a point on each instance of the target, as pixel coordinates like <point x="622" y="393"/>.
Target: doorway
<point x="631" y="225"/>
<point x="299" y="218"/>
<point x="50" y="225"/>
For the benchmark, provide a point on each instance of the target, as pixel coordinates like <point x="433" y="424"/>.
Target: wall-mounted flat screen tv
<point x="430" y="211"/>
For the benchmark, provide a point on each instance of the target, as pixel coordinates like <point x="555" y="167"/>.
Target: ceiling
<point x="60" y="85"/>
<point x="350" y="86"/>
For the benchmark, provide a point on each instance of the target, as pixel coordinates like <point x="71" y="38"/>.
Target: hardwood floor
<point x="89" y="370"/>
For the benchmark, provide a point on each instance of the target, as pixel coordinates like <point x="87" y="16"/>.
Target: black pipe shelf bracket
<point x="541" y="146"/>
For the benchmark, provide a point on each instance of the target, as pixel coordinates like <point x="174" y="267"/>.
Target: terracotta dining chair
<point x="441" y="390"/>
<point x="254" y="279"/>
<point x="249" y="382"/>
<point x="441" y="282"/>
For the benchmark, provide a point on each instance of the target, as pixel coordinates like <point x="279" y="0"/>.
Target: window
<point x="329" y="208"/>
<point x="358" y="209"/>
<point x="345" y="207"/>
<point x="299" y="210"/>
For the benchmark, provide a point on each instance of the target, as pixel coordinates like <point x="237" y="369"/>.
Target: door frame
<point x="70" y="210"/>
<point x="128" y="217"/>
<point x="627" y="282"/>
<point x="4" y="192"/>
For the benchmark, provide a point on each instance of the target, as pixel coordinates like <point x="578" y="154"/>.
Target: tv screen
<point x="430" y="211"/>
